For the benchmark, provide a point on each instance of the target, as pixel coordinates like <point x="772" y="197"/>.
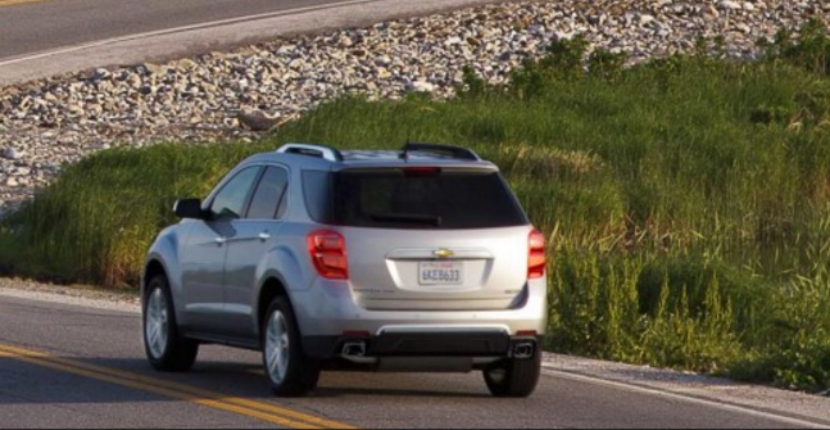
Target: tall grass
<point x="686" y="200"/>
<point x="96" y="220"/>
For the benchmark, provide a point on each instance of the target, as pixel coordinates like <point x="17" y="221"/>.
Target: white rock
<point x="346" y="41"/>
<point x="646" y="19"/>
<point x="422" y="86"/>
<point x="729" y="5"/>
<point x="13" y="154"/>
<point x="563" y="35"/>
<point x="102" y="73"/>
<point x="537" y="30"/>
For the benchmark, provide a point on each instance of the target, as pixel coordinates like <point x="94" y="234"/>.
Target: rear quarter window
<point x="318" y="197"/>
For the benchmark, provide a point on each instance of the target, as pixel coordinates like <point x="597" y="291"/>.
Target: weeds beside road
<point x="687" y="200"/>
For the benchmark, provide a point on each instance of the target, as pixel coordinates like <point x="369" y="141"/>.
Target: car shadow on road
<point x="339" y="392"/>
<point x="336" y="384"/>
<point x="226" y="378"/>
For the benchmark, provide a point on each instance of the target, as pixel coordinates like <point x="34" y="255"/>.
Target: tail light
<point x="328" y="253"/>
<point x="536" y="255"/>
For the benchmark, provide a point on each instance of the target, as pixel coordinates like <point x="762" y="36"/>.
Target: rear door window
<point x="268" y="201"/>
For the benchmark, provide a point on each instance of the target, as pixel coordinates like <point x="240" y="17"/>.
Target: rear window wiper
<point x="407" y="218"/>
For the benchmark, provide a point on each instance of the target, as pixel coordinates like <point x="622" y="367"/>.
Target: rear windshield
<point x="428" y="199"/>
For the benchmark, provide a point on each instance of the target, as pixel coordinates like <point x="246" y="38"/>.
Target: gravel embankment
<point x="47" y="123"/>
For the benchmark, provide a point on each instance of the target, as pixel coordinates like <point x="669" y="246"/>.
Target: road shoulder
<point x="722" y="392"/>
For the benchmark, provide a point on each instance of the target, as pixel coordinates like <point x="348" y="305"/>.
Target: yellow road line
<point x="260" y="410"/>
<point x="181" y="387"/>
<point x="14" y="2"/>
<point x="157" y="390"/>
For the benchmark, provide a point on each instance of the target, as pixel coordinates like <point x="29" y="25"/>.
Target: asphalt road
<point x="45" y="38"/>
<point x="73" y="367"/>
<point x="30" y="26"/>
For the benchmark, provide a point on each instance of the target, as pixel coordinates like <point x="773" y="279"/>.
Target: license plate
<point x="440" y="272"/>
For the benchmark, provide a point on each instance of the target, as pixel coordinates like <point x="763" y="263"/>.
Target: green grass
<point x="687" y="200"/>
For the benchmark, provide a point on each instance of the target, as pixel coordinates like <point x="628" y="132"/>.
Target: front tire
<point x="514" y="377"/>
<point x="166" y="349"/>
<point x="289" y="371"/>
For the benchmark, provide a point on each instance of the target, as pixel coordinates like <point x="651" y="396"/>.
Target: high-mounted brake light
<point x="536" y="255"/>
<point x="328" y="253"/>
<point x="421" y="171"/>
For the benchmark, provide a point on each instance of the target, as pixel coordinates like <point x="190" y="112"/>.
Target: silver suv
<point x="418" y="260"/>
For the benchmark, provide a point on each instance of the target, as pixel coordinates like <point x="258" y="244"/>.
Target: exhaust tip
<point x="354" y="349"/>
<point x="524" y="350"/>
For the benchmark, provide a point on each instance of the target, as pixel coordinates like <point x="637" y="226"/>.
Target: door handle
<point x="264" y="236"/>
<point x="220" y="241"/>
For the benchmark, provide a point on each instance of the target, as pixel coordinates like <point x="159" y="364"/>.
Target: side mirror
<point x="189" y="208"/>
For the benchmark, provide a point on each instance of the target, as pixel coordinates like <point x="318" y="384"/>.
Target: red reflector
<point x="356" y="334"/>
<point x="526" y="333"/>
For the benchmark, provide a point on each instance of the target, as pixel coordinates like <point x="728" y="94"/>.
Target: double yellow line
<point x="14" y="2"/>
<point x="259" y="410"/>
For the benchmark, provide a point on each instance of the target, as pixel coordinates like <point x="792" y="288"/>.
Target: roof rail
<point x="455" y="151"/>
<point x="319" y="151"/>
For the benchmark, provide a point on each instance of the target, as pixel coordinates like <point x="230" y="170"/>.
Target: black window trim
<point x="283" y="196"/>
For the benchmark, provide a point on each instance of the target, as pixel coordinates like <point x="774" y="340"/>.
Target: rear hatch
<point x="430" y="238"/>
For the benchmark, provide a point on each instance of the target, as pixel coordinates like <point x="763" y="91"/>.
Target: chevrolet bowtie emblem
<point x="443" y="253"/>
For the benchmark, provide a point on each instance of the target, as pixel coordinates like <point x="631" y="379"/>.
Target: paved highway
<point x="30" y="26"/>
<point x="44" y="38"/>
<point x="67" y="366"/>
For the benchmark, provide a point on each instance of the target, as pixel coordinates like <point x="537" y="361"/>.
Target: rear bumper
<point x="328" y="310"/>
<point x="419" y="344"/>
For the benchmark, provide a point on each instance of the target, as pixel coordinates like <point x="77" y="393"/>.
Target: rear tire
<point x="166" y="349"/>
<point x="513" y="377"/>
<point x="289" y="371"/>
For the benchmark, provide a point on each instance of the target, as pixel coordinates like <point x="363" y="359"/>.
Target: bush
<point x="810" y="49"/>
